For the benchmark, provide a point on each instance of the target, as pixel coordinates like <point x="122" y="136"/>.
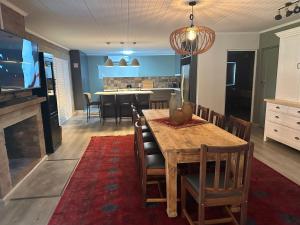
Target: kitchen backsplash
<point x="122" y="82"/>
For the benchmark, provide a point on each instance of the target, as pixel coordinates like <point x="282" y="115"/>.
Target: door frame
<point x="254" y="76"/>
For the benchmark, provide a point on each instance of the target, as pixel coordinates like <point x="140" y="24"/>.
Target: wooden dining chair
<point x="203" y="112"/>
<point x="158" y="104"/>
<point x="217" y="119"/>
<point x="151" y="166"/>
<point x="221" y="187"/>
<point x="149" y="143"/>
<point x="240" y="128"/>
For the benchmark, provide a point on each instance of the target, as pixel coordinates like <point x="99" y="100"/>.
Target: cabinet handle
<point x="277" y="117"/>
<point x="298" y="123"/>
<point x="297" y="138"/>
<point x="277" y="107"/>
<point x="298" y="112"/>
<point x="298" y="66"/>
<point x="275" y="130"/>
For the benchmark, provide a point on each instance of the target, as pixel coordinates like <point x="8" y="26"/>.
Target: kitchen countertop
<point x="161" y="89"/>
<point x="142" y="89"/>
<point x="124" y="92"/>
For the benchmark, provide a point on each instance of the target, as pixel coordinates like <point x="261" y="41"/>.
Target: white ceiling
<point x="88" y="24"/>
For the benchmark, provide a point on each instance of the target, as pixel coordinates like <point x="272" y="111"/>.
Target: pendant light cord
<point x="192" y="16"/>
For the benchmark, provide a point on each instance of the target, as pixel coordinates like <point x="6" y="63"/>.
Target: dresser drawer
<point x="284" y="119"/>
<point x="294" y="138"/>
<point x="283" y="134"/>
<point x="294" y="111"/>
<point x="277" y="108"/>
<point x="276" y="130"/>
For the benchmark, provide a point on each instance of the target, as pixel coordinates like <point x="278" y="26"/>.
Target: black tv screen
<point x="19" y="64"/>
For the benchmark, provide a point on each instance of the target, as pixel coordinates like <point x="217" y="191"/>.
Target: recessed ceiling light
<point x="127" y="52"/>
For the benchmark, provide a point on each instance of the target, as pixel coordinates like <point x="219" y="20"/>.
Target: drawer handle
<point x="298" y="112"/>
<point x="297" y="138"/>
<point x="275" y="130"/>
<point x="298" y="123"/>
<point x="277" y="107"/>
<point x="277" y="117"/>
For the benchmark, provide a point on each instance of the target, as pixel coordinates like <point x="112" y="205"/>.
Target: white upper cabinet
<point x="288" y="76"/>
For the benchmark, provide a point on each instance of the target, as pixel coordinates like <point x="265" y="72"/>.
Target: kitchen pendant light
<point x="135" y="63"/>
<point x="192" y="40"/>
<point x="122" y="62"/>
<point x="109" y="63"/>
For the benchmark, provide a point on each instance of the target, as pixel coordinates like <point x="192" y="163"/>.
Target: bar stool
<point x="124" y="103"/>
<point x="142" y="102"/>
<point x="108" y="105"/>
<point x="89" y="103"/>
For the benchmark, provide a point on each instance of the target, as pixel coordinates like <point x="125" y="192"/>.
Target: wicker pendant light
<point x="192" y="40"/>
<point x="122" y="62"/>
<point x="135" y="63"/>
<point x="108" y="63"/>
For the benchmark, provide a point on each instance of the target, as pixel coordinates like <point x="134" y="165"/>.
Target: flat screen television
<point x="19" y="63"/>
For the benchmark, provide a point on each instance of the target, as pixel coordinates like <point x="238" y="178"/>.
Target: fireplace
<point x="22" y="143"/>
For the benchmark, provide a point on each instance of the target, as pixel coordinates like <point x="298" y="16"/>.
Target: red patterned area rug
<point x="104" y="190"/>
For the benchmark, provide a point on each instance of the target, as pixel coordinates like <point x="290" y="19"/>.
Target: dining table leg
<point x="171" y="183"/>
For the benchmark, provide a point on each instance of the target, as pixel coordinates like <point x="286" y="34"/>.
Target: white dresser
<point x="283" y="122"/>
<point x="283" y="113"/>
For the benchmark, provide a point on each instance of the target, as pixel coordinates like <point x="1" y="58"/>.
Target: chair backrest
<point x="136" y="117"/>
<point x="194" y="108"/>
<point x="232" y="180"/>
<point x="158" y="104"/>
<point x="108" y="99"/>
<point x="87" y="97"/>
<point x="142" y="98"/>
<point x="239" y="128"/>
<point x="217" y="119"/>
<point x="125" y="99"/>
<point x="203" y="112"/>
<point x="140" y="143"/>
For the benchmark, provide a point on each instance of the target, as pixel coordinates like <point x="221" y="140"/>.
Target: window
<point x="231" y="73"/>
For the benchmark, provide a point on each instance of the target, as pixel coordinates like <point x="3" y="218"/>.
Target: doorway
<point x="239" y="83"/>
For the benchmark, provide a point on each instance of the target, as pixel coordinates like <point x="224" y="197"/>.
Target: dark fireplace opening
<point x="23" y="148"/>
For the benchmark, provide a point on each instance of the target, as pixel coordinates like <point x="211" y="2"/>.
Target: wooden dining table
<point x="183" y="145"/>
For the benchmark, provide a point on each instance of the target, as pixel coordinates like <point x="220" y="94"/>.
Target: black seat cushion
<point x="147" y="137"/>
<point x="145" y="128"/>
<point x="193" y="179"/>
<point x="151" y="148"/>
<point x="155" y="161"/>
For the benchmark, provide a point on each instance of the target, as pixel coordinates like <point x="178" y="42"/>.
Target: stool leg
<point x="87" y="113"/>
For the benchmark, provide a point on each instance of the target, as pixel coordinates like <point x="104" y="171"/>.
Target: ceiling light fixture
<point x="278" y="16"/>
<point x="108" y="63"/>
<point x="297" y="9"/>
<point x="135" y="63"/>
<point x="122" y="62"/>
<point x="287" y="6"/>
<point x="192" y="40"/>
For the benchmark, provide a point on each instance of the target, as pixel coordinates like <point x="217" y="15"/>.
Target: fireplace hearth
<point x="22" y="144"/>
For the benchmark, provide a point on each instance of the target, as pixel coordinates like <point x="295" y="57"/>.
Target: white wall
<point x="64" y="89"/>
<point x="211" y="77"/>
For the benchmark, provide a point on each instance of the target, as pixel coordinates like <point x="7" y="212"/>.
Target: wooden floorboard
<point x="34" y="204"/>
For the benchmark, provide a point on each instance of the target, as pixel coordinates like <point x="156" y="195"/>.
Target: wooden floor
<point x="33" y="202"/>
